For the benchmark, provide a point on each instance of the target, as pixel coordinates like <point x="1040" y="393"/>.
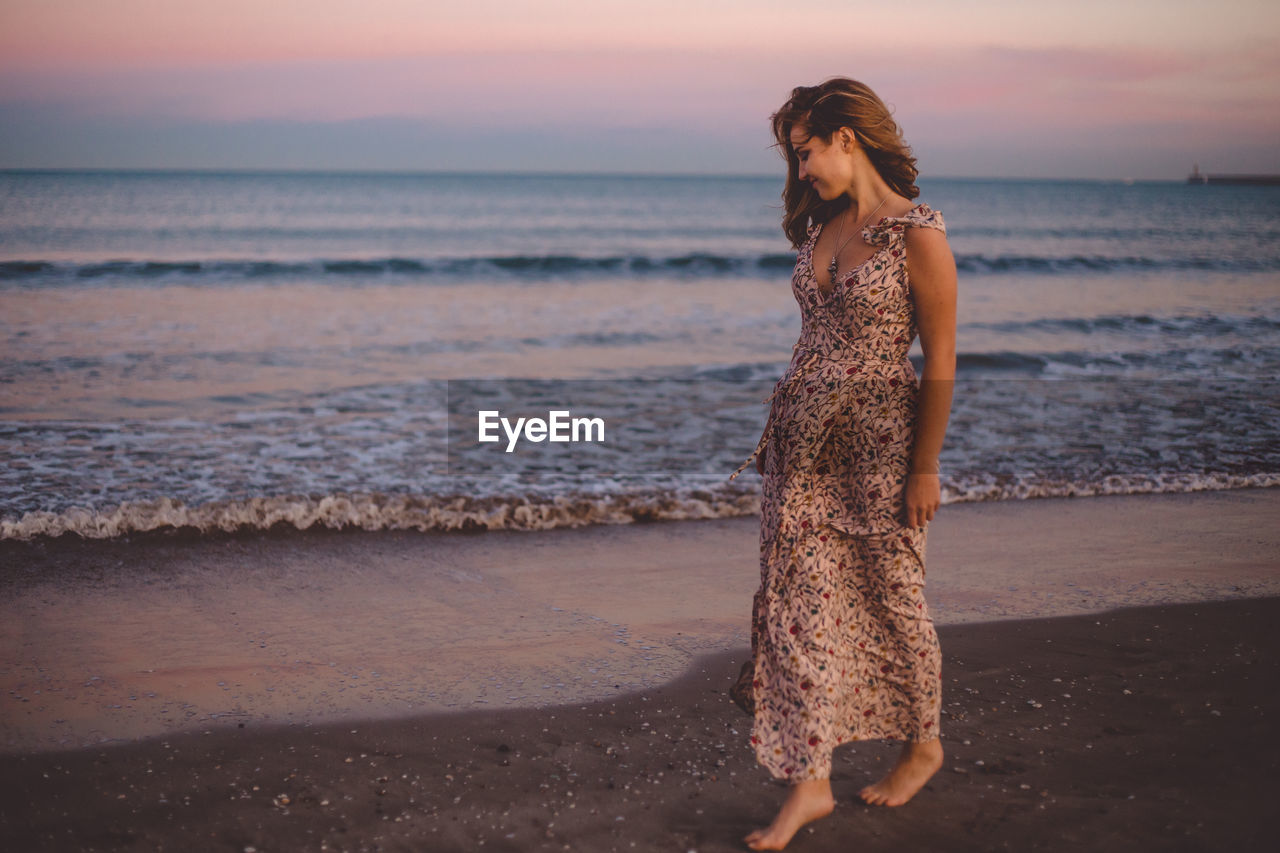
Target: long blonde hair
<point x="823" y="110"/>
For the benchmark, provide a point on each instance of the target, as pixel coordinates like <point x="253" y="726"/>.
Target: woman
<point x="843" y="646"/>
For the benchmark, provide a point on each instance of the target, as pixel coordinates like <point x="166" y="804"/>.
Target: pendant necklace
<point x="832" y="268"/>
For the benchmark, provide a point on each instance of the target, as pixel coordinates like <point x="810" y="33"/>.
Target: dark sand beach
<point x="1110" y="681"/>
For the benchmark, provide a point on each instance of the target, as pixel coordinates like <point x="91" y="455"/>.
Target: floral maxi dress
<point x="843" y="643"/>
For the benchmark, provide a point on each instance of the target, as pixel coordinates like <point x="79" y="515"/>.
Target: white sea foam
<point x="462" y="513"/>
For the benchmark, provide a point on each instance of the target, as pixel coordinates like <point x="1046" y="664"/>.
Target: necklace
<point x="833" y="267"/>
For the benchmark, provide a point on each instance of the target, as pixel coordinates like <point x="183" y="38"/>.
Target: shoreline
<point x="1139" y="728"/>
<point x="369" y="512"/>
<point x="119" y="640"/>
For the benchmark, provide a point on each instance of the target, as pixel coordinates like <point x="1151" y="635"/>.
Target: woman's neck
<point x="867" y="190"/>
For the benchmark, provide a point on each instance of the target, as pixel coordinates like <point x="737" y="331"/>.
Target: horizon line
<point x="547" y="173"/>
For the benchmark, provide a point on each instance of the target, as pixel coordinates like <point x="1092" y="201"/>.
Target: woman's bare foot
<point x="807" y="802"/>
<point x="918" y="762"/>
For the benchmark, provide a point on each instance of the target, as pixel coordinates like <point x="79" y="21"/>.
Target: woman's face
<point x="826" y="166"/>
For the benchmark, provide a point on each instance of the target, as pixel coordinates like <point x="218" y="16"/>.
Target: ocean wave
<point x="34" y="273"/>
<point x="384" y="512"/>
<point x="1184" y="364"/>
<point x="1200" y="325"/>
<point x="1055" y="264"/>
<point x="1207" y="360"/>
<point x="697" y="265"/>
<point x="374" y="512"/>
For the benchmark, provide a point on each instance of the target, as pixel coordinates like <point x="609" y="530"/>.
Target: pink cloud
<point x="967" y="92"/>
<point x="1092" y="88"/>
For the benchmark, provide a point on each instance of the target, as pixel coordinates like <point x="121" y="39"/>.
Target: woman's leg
<point x="797" y="684"/>
<point x="916" y="765"/>
<point x="808" y="801"/>
<point x="917" y="680"/>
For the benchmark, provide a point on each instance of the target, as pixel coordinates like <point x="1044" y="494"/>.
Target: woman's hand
<point x="924" y="496"/>
<point x="760" y="459"/>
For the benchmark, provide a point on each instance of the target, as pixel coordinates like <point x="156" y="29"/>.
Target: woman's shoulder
<point x="920" y="216"/>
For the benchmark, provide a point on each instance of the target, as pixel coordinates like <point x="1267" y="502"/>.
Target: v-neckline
<point x="817" y="235"/>
<point x="845" y="276"/>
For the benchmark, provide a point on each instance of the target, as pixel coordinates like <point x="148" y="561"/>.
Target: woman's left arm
<point x="931" y="271"/>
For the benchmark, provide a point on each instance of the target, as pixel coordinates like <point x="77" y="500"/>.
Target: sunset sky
<point x="1088" y="89"/>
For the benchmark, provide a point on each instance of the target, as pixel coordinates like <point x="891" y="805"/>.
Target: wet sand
<point x="1137" y="729"/>
<point x="498" y="684"/>
<point x="119" y="639"/>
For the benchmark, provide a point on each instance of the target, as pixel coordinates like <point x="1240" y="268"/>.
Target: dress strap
<point x="894" y="227"/>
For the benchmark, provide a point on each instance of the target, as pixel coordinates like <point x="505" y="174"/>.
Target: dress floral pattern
<point x="843" y="643"/>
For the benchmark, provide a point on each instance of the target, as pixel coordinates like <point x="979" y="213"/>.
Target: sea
<point x="226" y="351"/>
